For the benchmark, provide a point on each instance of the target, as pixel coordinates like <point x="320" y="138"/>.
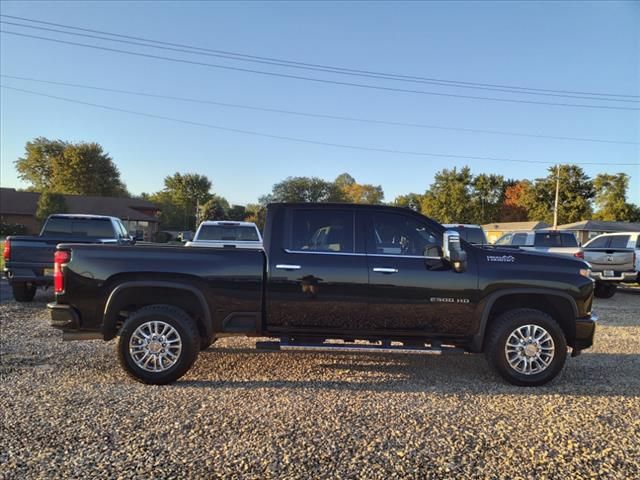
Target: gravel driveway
<point x="68" y="411"/>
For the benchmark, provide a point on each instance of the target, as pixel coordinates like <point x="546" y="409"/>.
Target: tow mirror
<point x="452" y="251"/>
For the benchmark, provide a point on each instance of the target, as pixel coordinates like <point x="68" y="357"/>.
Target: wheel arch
<point x="559" y="305"/>
<point x="133" y="295"/>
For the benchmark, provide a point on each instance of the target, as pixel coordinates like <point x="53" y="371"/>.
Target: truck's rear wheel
<point x="527" y="347"/>
<point x="158" y="344"/>
<point x="23" y="292"/>
<point x="605" y="290"/>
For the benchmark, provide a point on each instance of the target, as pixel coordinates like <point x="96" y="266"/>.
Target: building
<point x="495" y="230"/>
<point x="588" y="229"/>
<point x="139" y="216"/>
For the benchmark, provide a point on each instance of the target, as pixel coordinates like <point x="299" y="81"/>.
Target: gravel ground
<point x="68" y="411"/>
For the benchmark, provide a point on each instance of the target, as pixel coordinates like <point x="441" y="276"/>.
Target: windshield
<point x="234" y="233"/>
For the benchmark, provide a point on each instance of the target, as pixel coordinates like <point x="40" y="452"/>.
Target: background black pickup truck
<point x="330" y="277"/>
<point x="29" y="259"/>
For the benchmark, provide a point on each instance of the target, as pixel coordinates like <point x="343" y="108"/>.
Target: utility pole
<point x="555" y="205"/>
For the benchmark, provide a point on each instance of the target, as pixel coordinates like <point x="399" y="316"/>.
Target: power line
<point x="290" y="63"/>
<point x="322" y="69"/>
<point x="302" y="140"/>
<point x="317" y="115"/>
<point x="317" y="80"/>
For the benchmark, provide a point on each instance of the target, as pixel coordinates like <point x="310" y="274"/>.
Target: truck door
<point x="319" y="280"/>
<point x="413" y="291"/>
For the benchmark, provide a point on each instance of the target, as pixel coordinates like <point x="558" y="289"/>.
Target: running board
<point x="435" y="349"/>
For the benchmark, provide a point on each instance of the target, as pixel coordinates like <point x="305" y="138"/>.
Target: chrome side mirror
<point x="452" y="251"/>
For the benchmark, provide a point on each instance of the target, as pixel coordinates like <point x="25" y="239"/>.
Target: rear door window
<point x="519" y="239"/>
<point x="619" y="241"/>
<point x="323" y="231"/>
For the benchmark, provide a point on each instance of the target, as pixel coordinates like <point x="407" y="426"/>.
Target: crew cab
<point x="614" y="259"/>
<point x="542" y="241"/>
<point x="226" y="234"/>
<point x="29" y="259"/>
<point x="335" y="277"/>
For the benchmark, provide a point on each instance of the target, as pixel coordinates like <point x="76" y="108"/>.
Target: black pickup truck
<point x="29" y="259"/>
<point x="334" y="277"/>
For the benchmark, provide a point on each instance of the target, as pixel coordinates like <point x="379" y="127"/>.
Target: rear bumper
<point x="32" y="274"/>
<point x="63" y="317"/>
<point x="618" y="277"/>
<point x="585" y="331"/>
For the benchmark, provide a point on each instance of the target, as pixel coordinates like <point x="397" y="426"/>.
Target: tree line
<point x="56" y="167"/>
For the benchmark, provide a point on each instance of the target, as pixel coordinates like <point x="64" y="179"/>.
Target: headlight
<point x="585" y="272"/>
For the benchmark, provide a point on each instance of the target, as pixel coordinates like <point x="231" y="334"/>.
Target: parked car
<point x="227" y="234"/>
<point x="471" y="233"/>
<point x="334" y="277"/>
<point x="542" y="241"/>
<point x="614" y="259"/>
<point x="29" y="259"/>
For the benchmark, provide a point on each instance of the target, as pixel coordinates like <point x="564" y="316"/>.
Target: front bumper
<point x="618" y="277"/>
<point x="585" y="331"/>
<point x="63" y="317"/>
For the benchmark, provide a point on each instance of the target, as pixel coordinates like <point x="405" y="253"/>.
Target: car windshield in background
<point x="235" y="233"/>
<point x="78" y="227"/>
<point x="471" y="235"/>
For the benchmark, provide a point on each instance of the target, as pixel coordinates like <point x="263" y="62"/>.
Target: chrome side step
<point x="385" y="347"/>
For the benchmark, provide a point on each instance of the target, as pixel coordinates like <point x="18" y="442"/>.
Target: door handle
<point x="284" y="266"/>
<point x="385" y="270"/>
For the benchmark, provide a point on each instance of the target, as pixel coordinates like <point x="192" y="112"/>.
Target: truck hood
<point x="497" y="255"/>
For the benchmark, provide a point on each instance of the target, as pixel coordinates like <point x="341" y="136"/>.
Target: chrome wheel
<point x="529" y="349"/>
<point x="155" y="346"/>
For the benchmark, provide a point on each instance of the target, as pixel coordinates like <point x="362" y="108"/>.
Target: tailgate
<point x="608" y="259"/>
<point x="32" y="251"/>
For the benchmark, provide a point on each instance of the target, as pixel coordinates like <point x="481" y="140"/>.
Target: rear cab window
<point x="235" y="233"/>
<point x="79" y="227"/>
<point x="555" y="239"/>
<point x="619" y="241"/>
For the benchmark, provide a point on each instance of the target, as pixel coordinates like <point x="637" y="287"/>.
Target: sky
<point x="559" y="46"/>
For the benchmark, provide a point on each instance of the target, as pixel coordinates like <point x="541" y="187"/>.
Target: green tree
<point x="50" y="203"/>
<point x="410" y="200"/>
<point x="611" y="197"/>
<point x="64" y="167"/>
<point x="487" y="197"/>
<point x="304" y="189"/>
<point x="237" y="213"/>
<point x="449" y="197"/>
<point x="216" y="208"/>
<point x="575" y="195"/>
<point x="181" y="195"/>
<point x="257" y="214"/>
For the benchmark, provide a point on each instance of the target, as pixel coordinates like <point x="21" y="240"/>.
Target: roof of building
<point x="14" y="202"/>
<point x="510" y="226"/>
<point x="601" y="226"/>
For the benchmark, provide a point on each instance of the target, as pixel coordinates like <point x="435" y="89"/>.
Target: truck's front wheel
<point x="23" y="292"/>
<point x="527" y="347"/>
<point x="158" y="344"/>
<point x="605" y="290"/>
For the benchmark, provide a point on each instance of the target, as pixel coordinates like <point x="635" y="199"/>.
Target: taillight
<point x="6" y="251"/>
<point x="579" y="255"/>
<point x="60" y="257"/>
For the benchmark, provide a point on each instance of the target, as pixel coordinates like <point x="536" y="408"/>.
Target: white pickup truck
<point x="614" y="259"/>
<point x="227" y="234"/>
<point x="543" y="241"/>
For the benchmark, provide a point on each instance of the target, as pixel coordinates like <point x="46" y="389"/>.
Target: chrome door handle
<point x="284" y="266"/>
<point x="385" y="270"/>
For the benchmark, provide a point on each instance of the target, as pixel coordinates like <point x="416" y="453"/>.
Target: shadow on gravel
<point x="591" y="374"/>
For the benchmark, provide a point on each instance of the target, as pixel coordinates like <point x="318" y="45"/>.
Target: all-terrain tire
<point x="501" y="330"/>
<point x="186" y="331"/>
<point x="605" y="290"/>
<point x="23" y="292"/>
